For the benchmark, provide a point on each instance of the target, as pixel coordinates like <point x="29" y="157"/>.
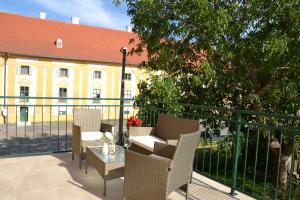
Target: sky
<point x="91" y="12"/>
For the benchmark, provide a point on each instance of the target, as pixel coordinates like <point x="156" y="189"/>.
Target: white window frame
<point x="24" y="98"/>
<point x="127" y="95"/>
<point x="63" y="96"/>
<point x="97" y="74"/>
<point x="58" y="43"/>
<point x="27" y="70"/>
<point x="127" y="76"/>
<point x="61" y="74"/>
<point x="62" y="110"/>
<point x="95" y="95"/>
<point x="19" y="70"/>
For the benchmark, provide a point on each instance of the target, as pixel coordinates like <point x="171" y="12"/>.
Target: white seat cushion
<point x="88" y="136"/>
<point x="147" y="141"/>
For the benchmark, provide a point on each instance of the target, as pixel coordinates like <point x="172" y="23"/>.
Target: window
<point x="24" y="70"/>
<point x="58" y="43"/>
<point x="127" y="95"/>
<point x="97" y="75"/>
<point x="62" y="110"/>
<point x="62" y="94"/>
<point x="24" y="94"/>
<point x="97" y="95"/>
<point x="63" y="72"/>
<point x="127" y="77"/>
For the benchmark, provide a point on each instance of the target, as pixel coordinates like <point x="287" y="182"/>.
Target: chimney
<point x="75" y="20"/>
<point x="128" y="28"/>
<point x="42" y="15"/>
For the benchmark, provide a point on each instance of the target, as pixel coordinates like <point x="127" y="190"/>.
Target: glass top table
<point x="117" y="156"/>
<point x="109" y="166"/>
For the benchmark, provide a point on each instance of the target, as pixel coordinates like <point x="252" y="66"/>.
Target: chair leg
<point x="187" y="191"/>
<point x="86" y="167"/>
<point x="72" y="155"/>
<point x="185" y="188"/>
<point x="80" y="160"/>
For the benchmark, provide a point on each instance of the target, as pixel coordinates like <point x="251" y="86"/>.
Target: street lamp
<point x="121" y="116"/>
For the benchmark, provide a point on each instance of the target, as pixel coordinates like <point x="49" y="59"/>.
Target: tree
<point x="234" y="54"/>
<point x="237" y="54"/>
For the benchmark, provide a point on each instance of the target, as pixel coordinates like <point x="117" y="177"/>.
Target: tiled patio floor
<point x="57" y="177"/>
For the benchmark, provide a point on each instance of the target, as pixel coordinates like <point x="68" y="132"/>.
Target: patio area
<point x="56" y="176"/>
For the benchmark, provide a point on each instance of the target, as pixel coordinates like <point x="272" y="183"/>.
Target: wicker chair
<point x="167" y="130"/>
<point x="155" y="176"/>
<point x="87" y="122"/>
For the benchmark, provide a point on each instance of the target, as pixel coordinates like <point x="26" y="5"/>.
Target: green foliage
<point x="160" y="88"/>
<point x="161" y="95"/>
<point x="236" y="54"/>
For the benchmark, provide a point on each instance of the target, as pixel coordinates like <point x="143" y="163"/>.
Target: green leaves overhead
<point x="243" y="52"/>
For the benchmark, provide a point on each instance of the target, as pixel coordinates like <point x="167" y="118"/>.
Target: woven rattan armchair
<point x="87" y="122"/>
<point x="167" y="130"/>
<point x="155" y="176"/>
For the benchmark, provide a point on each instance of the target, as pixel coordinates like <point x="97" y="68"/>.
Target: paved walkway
<point x="56" y="176"/>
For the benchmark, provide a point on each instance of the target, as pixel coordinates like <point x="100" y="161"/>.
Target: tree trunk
<point x="285" y="168"/>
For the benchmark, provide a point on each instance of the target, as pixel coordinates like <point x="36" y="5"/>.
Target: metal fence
<point x="256" y="153"/>
<point x="44" y="125"/>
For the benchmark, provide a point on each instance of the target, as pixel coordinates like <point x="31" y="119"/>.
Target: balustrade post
<point x="236" y="152"/>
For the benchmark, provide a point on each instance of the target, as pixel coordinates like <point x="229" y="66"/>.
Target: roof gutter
<point x="62" y="58"/>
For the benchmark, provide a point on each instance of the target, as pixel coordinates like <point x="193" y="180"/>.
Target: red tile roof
<point x="36" y="37"/>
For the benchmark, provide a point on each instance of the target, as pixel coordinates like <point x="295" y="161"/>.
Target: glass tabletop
<point x="118" y="156"/>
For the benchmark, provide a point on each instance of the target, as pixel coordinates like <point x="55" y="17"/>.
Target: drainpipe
<point x="4" y="110"/>
<point x="4" y="89"/>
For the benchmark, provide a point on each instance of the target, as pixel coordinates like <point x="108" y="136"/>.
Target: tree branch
<point x="282" y="73"/>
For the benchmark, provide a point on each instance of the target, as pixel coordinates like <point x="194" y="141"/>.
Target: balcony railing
<point x="45" y="126"/>
<point x="256" y="153"/>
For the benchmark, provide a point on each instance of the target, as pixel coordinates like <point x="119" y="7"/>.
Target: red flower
<point x="138" y="122"/>
<point x="134" y="121"/>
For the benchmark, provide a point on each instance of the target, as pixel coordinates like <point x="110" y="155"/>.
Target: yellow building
<point x="46" y="58"/>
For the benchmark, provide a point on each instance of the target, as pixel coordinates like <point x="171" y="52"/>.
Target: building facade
<point x="61" y="60"/>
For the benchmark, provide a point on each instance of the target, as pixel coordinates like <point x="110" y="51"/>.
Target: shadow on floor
<point x="91" y="182"/>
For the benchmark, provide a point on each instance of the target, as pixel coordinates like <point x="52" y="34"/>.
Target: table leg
<point x="80" y="158"/>
<point x="104" y="189"/>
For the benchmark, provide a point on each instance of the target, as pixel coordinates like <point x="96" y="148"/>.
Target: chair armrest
<point x="164" y="150"/>
<point x="76" y="139"/>
<point x="145" y="176"/>
<point x="172" y="142"/>
<point x="106" y="127"/>
<point x="140" y="131"/>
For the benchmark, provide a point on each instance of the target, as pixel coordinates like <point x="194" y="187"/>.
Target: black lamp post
<point x="121" y="116"/>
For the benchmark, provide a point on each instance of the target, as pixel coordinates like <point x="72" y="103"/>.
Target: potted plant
<point x="134" y="124"/>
